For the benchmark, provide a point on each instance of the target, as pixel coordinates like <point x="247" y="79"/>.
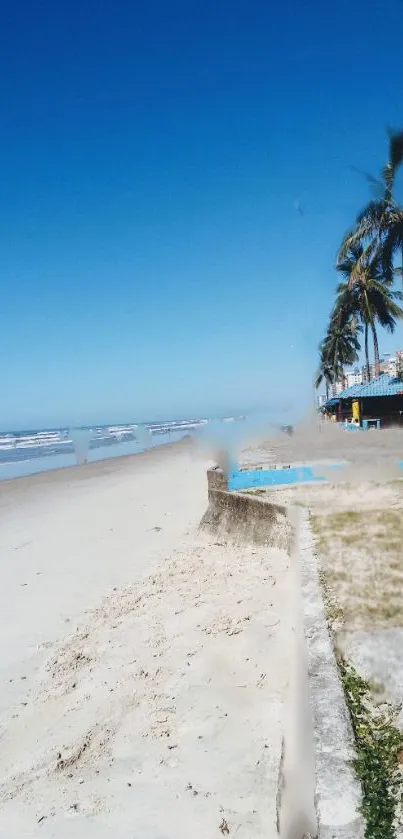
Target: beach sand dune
<point x="157" y="710"/>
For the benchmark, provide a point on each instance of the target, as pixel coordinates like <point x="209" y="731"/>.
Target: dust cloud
<point x="81" y="439"/>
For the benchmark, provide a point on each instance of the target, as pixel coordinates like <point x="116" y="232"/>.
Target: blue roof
<point x="384" y="385"/>
<point x="350" y="392"/>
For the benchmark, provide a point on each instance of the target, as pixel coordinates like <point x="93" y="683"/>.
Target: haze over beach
<point x="30" y="452"/>
<point x="200" y="542"/>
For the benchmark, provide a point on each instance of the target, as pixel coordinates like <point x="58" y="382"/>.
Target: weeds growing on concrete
<point x="334" y="612"/>
<point x="379" y="747"/>
<point x="379" y="743"/>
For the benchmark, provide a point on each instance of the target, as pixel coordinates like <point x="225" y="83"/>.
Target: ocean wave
<point x="31" y="444"/>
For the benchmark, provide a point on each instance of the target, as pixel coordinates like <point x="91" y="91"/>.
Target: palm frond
<point x="319" y="377"/>
<point x="366" y="295"/>
<point x="371" y="215"/>
<point x="366" y="232"/>
<point x="376" y="184"/>
<point x="388" y="174"/>
<point x="395" y="148"/>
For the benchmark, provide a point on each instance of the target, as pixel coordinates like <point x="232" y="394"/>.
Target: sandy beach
<point x="325" y="442"/>
<point x="144" y="664"/>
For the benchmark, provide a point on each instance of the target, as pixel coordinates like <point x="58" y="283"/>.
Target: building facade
<point x="392" y="365"/>
<point x="353" y="377"/>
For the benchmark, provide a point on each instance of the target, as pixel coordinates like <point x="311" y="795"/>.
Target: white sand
<point x="143" y="671"/>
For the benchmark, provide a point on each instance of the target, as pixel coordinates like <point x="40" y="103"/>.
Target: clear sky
<point x="154" y="262"/>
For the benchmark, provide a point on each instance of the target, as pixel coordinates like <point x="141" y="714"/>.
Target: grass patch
<point x="385" y="610"/>
<point x="361" y="552"/>
<point x="390" y="518"/>
<point x="333" y="611"/>
<point x="345" y="517"/>
<point x="390" y="545"/>
<point x="382" y="527"/>
<point x="379" y="743"/>
<point x="379" y="747"/>
<point x="321" y="536"/>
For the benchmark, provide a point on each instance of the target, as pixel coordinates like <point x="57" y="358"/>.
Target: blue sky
<point x="153" y="263"/>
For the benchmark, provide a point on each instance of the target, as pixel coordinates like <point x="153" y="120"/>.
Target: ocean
<point x="31" y="451"/>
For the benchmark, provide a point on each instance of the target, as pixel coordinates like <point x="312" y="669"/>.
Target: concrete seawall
<point x="337" y="790"/>
<point x="317" y="702"/>
<point x="216" y="479"/>
<point x="247" y="518"/>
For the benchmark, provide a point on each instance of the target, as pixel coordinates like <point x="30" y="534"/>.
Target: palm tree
<point x="365" y="294"/>
<point x="325" y="371"/>
<point x="379" y="227"/>
<point x="339" y="347"/>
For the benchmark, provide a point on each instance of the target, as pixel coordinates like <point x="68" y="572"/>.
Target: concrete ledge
<point x="216" y="479"/>
<point x="338" y="792"/>
<point x="247" y="518"/>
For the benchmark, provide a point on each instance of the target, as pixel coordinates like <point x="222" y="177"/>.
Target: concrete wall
<point x="338" y="792"/>
<point x="318" y="791"/>
<point x="216" y="479"/>
<point x="247" y="518"/>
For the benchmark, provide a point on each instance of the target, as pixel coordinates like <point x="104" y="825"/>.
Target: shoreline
<point x="48" y="457"/>
<point x="79" y="473"/>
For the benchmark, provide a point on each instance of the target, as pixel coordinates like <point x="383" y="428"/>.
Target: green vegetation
<point x="344" y="527"/>
<point x="254" y="491"/>
<point x="377" y="530"/>
<point x="379" y="746"/>
<point x="366" y="297"/>
<point x="334" y="612"/>
<point x="379" y="743"/>
<point x="339" y="347"/>
<point x="362" y="562"/>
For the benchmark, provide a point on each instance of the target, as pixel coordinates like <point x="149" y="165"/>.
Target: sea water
<point x="32" y="451"/>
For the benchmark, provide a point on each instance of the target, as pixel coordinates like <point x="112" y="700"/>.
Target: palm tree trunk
<point x="366" y="352"/>
<point x="376" y="349"/>
<point x="327" y="390"/>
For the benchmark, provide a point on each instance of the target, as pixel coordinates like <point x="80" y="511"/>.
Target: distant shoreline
<point x="88" y="471"/>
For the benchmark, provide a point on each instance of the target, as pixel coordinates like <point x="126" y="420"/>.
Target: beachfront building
<point x="378" y="400"/>
<point x="372" y="373"/>
<point x="337" y="387"/>
<point x="388" y="364"/>
<point x="392" y="366"/>
<point x="352" y="377"/>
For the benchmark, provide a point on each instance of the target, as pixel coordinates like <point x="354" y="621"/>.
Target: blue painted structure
<point x="370" y="423"/>
<point x="251" y="478"/>
<point x="271" y="477"/>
